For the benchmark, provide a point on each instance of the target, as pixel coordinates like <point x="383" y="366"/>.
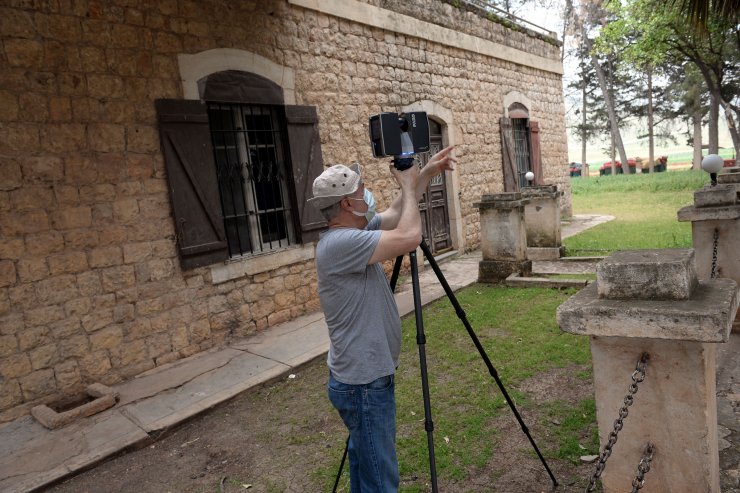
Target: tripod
<point x="421" y="342"/>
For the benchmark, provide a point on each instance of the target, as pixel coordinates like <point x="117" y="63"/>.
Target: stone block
<point x="8" y="345"/>
<point x="57" y="289"/>
<point x="44" y="356"/>
<point x="730" y="176"/>
<point x="106" y="257"/>
<point x="118" y="278"/>
<point x="136" y="252"/>
<point x="24" y="53"/>
<point x="67" y="375"/>
<point x="32" y="337"/>
<point x="63" y="137"/>
<point x="37" y="384"/>
<point x="67" y="263"/>
<point x="545" y="253"/>
<point x="30" y="198"/>
<point x="13" y="249"/>
<point x="107" y="338"/>
<point x="126" y="210"/>
<point x="72" y="218"/>
<point x="95" y="363"/>
<point x="43" y="169"/>
<point x="17" y="224"/>
<point x="32" y="269"/>
<point x="7" y="273"/>
<point x="706" y="317"/>
<point x="647" y="275"/>
<point x="714" y="196"/>
<point x="494" y="271"/>
<point x="15" y="366"/>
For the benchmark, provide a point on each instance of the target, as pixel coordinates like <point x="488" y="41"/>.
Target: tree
<point x="659" y="32"/>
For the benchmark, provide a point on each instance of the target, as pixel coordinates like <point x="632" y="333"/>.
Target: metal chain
<point x="637" y="377"/>
<point x="713" y="274"/>
<point x="643" y="468"/>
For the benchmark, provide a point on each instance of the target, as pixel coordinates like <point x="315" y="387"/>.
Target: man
<point x="360" y="311"/>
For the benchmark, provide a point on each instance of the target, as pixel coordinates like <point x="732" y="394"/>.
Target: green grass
<point x="645" y="207"/>
<point x="518" y="331"/>
<point x="688" y="157"/>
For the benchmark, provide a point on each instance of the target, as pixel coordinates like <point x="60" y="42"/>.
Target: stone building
<point x="155" y="158"/>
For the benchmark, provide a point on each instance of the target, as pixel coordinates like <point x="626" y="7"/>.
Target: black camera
<point x="400" y="136"/>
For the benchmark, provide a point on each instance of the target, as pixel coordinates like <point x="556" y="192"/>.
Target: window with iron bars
<point x="521" y="149"/>
<point x="252" y="176"/>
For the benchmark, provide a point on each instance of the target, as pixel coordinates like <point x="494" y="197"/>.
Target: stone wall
<point x="90" y="284"/>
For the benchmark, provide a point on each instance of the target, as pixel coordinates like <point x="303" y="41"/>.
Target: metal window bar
<point x="250" y="165"/>
<point x="521" y="149"/>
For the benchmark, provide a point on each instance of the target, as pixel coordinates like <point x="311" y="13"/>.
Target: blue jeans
<point x="369" y="412"/>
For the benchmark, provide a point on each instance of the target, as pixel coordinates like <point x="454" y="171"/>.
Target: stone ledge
<point x="545" y="253"/>
<point x="717" y="213"/>
<point x="715" y="196"/>
<point x="517" y="281"/>
<point x="234" y="269"/>
<point x="493" y="271"/>
<point x="706" y="317"/>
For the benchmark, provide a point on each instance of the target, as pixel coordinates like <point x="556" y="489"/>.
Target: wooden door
<point x="435" y="217"/>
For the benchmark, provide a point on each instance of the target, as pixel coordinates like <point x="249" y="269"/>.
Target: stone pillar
<point x="542" y="221"/>
<point x="503" y="237"/>
<point x="651" y="301"/>
<point x="717" y="209"/>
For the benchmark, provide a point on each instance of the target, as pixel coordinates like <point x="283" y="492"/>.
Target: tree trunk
<point x="584" y="132"/>
<point x="609" y="98"/>
<point x="696" y="117"/>
<point x="651" y="137"/>
<point x="612" y="157"/>
<point x="731" y="125"/>
<point x="713" y="127"/>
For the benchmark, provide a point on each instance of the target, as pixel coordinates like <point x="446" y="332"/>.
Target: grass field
<point x="645" y="207"/>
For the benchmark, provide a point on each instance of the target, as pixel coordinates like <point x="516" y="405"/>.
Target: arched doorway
<point x="435" y="216"/>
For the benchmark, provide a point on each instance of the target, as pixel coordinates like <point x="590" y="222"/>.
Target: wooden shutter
<point x="535" y="156"/>
<point x="191" y="173"/>
<point x="307" y="163"/>
<point x="511" y="183"/>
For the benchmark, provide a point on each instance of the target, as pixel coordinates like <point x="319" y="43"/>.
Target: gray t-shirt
<point x="360" y="311"/>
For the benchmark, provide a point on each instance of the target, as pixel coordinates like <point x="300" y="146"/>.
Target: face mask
<point x="370" y="201"/>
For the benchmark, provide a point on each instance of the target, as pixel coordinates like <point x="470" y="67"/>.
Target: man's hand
<point x="443" y="161"/>
<point x="406" y="179"/>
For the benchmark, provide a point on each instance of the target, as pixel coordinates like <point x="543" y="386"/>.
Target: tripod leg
<point x="463" y="317"/>
<point x="421" y="342"/>
<point x="341" y="466"/>
<point x="394" y="279"/>
<point x="396" y="271"/>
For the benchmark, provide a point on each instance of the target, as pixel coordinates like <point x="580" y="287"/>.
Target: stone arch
<point x="450" y="136"/>
<point x="516" y="102"/>
<point x="195" y="67"/>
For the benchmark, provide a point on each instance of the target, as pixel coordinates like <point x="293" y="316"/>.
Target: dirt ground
<point x="285" y="437"/>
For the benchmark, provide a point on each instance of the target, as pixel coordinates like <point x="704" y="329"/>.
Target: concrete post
<point x="542" y="221"/>
<point x="717" y="209"/>
<point x="503" y="237"/>
<point x="675" y="407"/>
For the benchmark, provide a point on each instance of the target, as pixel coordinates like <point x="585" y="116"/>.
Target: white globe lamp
<point x="529" y="176"/>
<point x="712" y="164"/>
